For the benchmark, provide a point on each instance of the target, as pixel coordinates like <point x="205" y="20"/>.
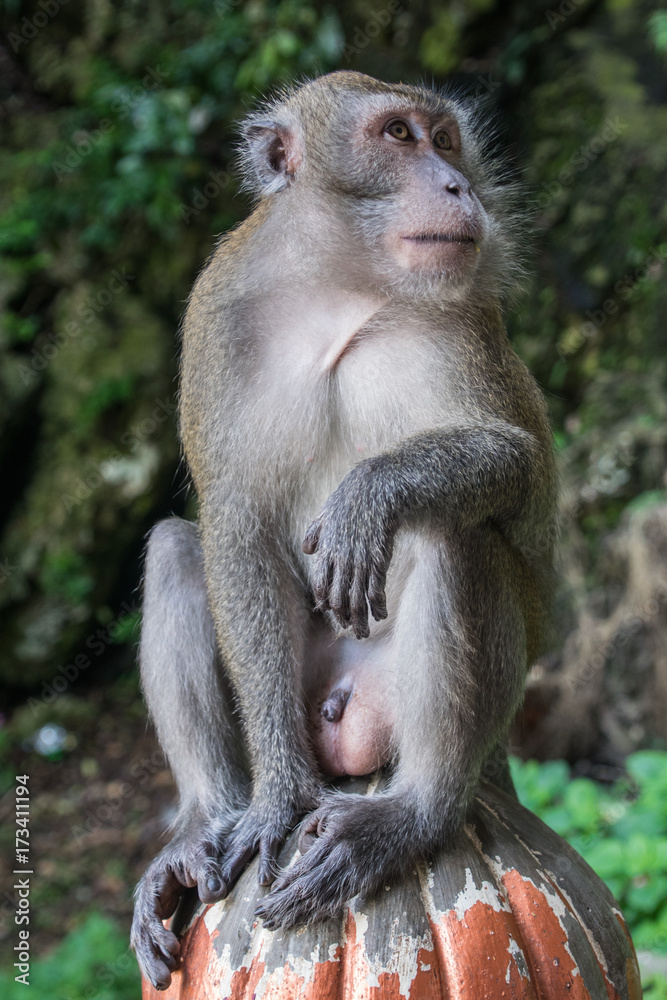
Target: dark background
<point x="117" y="172"/>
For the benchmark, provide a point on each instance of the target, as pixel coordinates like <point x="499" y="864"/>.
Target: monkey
<point x="370" y="574"/>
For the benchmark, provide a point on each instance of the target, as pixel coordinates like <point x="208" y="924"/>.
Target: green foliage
<point x="655" y="986"/>
<point x="116" y="171"/>
<point x="111" y="193"/>
<point x="127" y="628"/>
<point x="621" y="831"/>
<point x="92" y="962"/>
<point x="657" y="25"/>
<point x="63" y="574"/>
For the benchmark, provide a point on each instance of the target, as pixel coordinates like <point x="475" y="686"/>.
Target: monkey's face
<point x="409" y="198"/>
<point x="390" y="185"/>
<point x="437" y="222"/>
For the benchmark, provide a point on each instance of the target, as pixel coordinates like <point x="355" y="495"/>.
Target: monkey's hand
<point x="186" y="862"/>
<point x="351" y="844"/>
<point x="352" y="541"/>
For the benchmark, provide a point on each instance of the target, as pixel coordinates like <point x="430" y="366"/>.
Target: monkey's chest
<point x="321" y="398"/>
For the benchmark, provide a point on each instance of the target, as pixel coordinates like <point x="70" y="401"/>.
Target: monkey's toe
<point x="314" y="888"/>
<point x="255" y="833"/>
<point x="185" y="863"/>
<point x="211" y="886"/>
<point x="198" y="865"/>
<point x="312" y="829"/>
<point x="156" y="949"/>
<point x="234" y="861"/>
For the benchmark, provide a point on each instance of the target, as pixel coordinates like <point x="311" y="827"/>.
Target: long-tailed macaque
<point x="369" y="577"/>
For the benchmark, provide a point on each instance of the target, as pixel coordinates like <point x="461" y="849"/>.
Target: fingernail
<point x="214" y="885"/>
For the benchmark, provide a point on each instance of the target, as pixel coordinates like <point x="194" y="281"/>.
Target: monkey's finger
<point x="312" y="537"/>
<point x="312" y="829"/>
<point x="168" y="943"/>
<point x="162" y="966"/>
<point x="161" y="892"/>
<point x="359" y="608"/>
<point x="268" y="860"/>
<point x="339" y="597"/>
<point x="184" y="877"/>
<point x="166" y="954"/>
<point x="296" y="872"/>
<point x="203" y="870"/>
<point x="157" y="969"/>
<point x="322" y="583"/>
<point x="318" y="890"/>
<point x="376" y="595"/>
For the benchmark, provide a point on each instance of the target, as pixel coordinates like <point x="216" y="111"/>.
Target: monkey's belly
<point x="351" y="723"/>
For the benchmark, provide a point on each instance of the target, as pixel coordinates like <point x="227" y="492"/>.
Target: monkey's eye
<point x="442" y="140"/>
<point x="399" y="130"/>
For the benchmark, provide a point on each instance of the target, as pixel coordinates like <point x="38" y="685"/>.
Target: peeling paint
<point x="486" y="921"/>
<point x="511" y="831"/>
<point x="213" y="913"/>
<point x="519" y="957"/>
<point x="546" y="938"/>
<point x="596" y="948"/>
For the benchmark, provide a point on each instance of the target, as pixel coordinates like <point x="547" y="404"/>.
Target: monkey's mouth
<point x="448" y="254"/>
<point x="440" y="238"/>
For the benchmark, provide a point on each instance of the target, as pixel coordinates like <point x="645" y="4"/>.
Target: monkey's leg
<point x="261" y="609"/>
<point x="190" y="703"/>
<point x="459" y="659"/>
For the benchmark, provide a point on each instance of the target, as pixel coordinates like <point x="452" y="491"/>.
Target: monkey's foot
<point x="352" y="844"/>
<point x="182" y="864"/>
<point x="262" y="829"/>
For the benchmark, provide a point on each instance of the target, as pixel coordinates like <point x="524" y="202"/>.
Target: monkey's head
<point x="395" y="178"/>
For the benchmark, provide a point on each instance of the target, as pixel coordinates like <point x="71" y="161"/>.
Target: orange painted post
<point x="509" y="911"/>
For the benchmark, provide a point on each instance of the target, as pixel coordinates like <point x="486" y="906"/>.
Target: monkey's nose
<point x="457" y="188"/>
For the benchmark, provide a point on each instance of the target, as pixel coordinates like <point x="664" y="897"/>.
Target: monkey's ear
<point x="273" y="154"/>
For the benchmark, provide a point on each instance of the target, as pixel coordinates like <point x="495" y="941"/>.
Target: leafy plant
<point x="93" y="961"/>
<point x="621" y="831"/>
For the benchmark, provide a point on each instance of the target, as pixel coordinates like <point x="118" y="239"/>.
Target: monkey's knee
<point x="177" y="635"/>
<point x="173" y="547"/>
<point x="175" y="595"/>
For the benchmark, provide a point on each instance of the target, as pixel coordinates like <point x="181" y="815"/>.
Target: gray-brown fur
<point x="372" y="460"/>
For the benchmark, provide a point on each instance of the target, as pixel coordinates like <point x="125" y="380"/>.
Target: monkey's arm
<point x="461" y="476"/>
